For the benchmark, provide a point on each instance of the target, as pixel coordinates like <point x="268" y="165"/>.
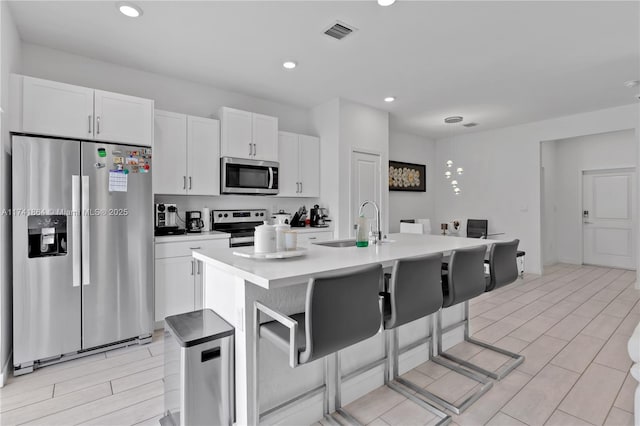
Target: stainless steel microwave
<point x="243" y="176"/>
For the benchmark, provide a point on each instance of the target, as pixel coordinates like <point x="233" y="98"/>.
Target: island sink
<point x="339" y="243"/>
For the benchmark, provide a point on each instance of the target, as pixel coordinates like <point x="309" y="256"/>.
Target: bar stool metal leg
<point x="500" y="373"/>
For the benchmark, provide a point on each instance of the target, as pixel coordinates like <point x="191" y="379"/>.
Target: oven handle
<point x="270" y="177"/>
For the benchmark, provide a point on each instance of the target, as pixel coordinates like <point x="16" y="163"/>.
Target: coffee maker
<point x="165" y="220"/>
<point x="317" y="217"/>
<point x="194" y="221"/>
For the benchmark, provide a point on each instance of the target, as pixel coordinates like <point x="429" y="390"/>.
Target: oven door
<point x="242" y="176"/>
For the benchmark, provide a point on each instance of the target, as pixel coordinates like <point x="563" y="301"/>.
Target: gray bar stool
<point x="503" y="270"/>
<point x="340" y="311"/>
<point x="414" y="292"/>
<point x="464" y="280"/>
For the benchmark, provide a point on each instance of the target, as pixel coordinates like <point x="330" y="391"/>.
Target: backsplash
<point x="231" y="202"/>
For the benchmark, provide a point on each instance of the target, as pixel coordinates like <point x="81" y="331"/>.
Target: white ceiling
<point x="496" y="63"/>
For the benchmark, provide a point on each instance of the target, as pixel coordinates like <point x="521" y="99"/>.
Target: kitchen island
<point x="233" y="283"/>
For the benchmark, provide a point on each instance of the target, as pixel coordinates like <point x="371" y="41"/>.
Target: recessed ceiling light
<point x="632" y="83"/>
<point x="289" y="65"/>
<point x="130" y="10"/>
<point x="389" y="99"/>
<point x="386" y="2"/>
<point x="454" y="119"/>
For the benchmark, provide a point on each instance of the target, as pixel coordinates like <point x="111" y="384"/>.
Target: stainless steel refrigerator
<point x="82" y="248"/>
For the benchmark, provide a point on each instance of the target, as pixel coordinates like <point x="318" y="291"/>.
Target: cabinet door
<point x="122" y="118"/>
<point x="203" y="156"/>
<point x="236" y="133"/>
<point x="288" y="182"/>
<point x="57" y="109"/>
<point x="265" y="137"/>
<point x="175" y="292"/>
<point x="309" y="166"/>
<point x="170" y="153"/>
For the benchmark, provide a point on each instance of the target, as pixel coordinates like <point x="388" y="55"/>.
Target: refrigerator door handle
<point x="86" y="240"/>
<point x="75" y="228"/>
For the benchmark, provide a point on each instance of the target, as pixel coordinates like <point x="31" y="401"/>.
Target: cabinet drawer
<point x="313" y="237"/>
<point x="184" y="248"/>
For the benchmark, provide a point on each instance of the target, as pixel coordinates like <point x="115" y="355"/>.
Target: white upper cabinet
<point x="170" y="153"/>
<point x="248" y="135"/>
<point x="265" y="137"/>
<point x="57" y="109"/>
<point x="288" y="182"/>
<point x="122" y="118"/>
<point x="186" y="155"/>
<point x="51" y="108"/>
<point x="309" y="154"/>
<point x="299" y="172"/>
<point x="203" y="156"/>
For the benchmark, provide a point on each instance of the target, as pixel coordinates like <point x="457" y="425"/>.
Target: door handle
<point x="86" y="236"/>
<point x="75" y="228"/>
<point x="588" y="223"/>
<point x="250" y="150"/>
<point x="184" y="182"/>
<point x="199" y="267"/>
<point x="301" y="187"/>
<point x="192" y="268"/>
<point x="189" y="182"/>
<point x="255" y="150"/>
<point x="98" y="124"/>
<point x="90" y="123"/>
<point x="297" y="187"/>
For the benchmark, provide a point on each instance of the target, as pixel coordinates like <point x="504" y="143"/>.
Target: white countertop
<point x="211" y="235"/>
<point x="319" y="260"/>
<point x="308" y="229"/>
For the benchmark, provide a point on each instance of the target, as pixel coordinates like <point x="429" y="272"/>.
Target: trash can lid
<point x="198" y="327"/>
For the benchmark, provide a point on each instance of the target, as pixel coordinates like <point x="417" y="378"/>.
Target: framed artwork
<point x="407" y="177"/>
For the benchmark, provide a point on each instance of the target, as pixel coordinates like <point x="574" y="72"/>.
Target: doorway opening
<point x="588" y="200"/>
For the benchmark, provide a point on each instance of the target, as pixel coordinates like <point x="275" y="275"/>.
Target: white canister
<point x="290" y="240"/>
<point x="264" y="239"/>
<point x="206" y="219"/>
<point x="281" y="228"/>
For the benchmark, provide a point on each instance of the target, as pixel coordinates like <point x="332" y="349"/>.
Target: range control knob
<point x="226" y="215"/>
<point x="219" y="214"/>
<point x="261" y="214"/>
<point x="257" y="214"/>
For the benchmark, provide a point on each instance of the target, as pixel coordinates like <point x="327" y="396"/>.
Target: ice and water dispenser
<point x="47" y="235"/>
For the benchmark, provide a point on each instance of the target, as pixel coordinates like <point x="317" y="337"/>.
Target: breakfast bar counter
<point x="232" y="284"/>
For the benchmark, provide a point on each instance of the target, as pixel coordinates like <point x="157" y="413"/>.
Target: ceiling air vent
<point x="339" y="30"/>
<point x="470" y="125"/>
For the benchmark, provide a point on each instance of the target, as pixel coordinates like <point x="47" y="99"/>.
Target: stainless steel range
<point x="240" y="224"/>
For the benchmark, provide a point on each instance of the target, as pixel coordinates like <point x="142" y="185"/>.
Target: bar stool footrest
<point x="445" y="419"/>
<point x="497" y="375"/>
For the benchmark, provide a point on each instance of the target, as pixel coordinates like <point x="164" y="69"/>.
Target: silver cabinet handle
<point x="192" y="268"/>
<point x="90" y="123"/>
<point x="98" y="124"/>
<point x="301" y="187"/>
<point x="184" y="182"/>
<point x="189" y="182"/>
<point x="195" y="248"/>
<point x="199" y="267"/>
<point x="250" y="149"/>
<point x="313" y="238"/>
<point x="75" y="228"/>
<point x="255" y="150"/>
<point x="86" y="236"/>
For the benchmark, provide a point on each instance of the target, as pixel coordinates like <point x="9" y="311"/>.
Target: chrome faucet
<point x="378" y="234"/>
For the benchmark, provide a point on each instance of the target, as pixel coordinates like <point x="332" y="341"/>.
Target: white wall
<point x="409" y="205"/>
<point x="502" y="172"/>
<point x="10" y="62"/>
<point x="548" y="201"/>
<point x="573" y="156"/>
<point x="170" y="94"/>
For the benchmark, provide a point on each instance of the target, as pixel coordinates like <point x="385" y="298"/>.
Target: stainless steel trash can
<point x="198" y="370"/>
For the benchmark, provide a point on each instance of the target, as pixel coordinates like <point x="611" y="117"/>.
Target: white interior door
<point x="365" y="185"/>
<point x="608" y="218"/>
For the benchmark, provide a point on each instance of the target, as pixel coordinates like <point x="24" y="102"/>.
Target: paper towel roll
<point x="206" y="218"/>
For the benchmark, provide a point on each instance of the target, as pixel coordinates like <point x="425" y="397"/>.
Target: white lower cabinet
<point x="178" y="276"/>
<point x="307" y="238"/>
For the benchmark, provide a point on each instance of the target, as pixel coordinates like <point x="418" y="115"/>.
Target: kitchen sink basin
<point x="339" y="243"/>
<point x="347" y="243"/>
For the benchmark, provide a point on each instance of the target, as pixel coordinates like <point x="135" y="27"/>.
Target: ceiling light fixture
<point x="453" y="119"/>
<point x="389" y="99"/>
<point x="386" y="2"/>
<point x="130" y="10"/>
<point x="289" y="65"/>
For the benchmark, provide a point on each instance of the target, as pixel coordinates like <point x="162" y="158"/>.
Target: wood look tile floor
<point x="572" y="324"/>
